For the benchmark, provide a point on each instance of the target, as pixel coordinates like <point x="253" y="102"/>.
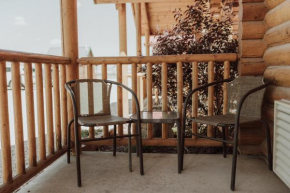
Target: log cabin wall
<point x="277" y="55"/>
<point x="251" y="50"/>
<point x="264" y="48"/>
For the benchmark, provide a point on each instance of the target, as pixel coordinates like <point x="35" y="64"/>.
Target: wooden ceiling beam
<point x="145" y="20"/>
<point x="133" y="11"/>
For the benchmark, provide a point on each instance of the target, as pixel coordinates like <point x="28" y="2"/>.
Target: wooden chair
<point x="91" y="107"/>
<point x="245" y="98"/>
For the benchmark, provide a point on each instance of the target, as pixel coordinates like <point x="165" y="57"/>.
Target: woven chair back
<point x="92" y="97"/>
<point x="238" y="88"/>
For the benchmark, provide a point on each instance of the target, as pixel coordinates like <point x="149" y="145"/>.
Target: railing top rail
<point x="159" y="59"/>
<point x="13" y="56"/>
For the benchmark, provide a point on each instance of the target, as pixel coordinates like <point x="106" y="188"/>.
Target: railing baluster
<point x="134" y="88"/>
<point x="4" y="127"/>
<point x="195" y="96"/>
<point x="149" y="99"/>
<point x="210" y="132"/>
<point x="91" y="98"/>
<point x="225" y="92"/>
<point x="30" y="114"/>
<point x="139" y="89"/>
<point x="18" y="121"/>
<point x="179" y="89"/>
<point x="120" y="97"/>
<point x="144" y="88"/>
<point x="56" y="98"/>
<point x="40" y="111"/>
<point x="48" y="102"/>
<point x="63" y="104"/>
<point x="164" y="98"/>
<point x="105" y="76"/>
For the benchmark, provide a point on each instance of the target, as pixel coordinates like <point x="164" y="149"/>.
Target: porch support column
<point x="70" y="45"/>
<point x="123" y="107"/>
<point x="138" y="49"/>
<point x="138" y="29"/>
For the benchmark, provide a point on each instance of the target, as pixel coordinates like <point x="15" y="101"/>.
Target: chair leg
<point x="234" y="163"/>
<point x="270" y="155"/>
<point x="129" y="148"/>
<point x="140" y="147"/>
<point x="77" y="148"/>
<point x="115" y="141"/>
<point x="179" y="147"/>
<point x="68" y="140"/>
<point x="224" y="143"/>
<point x="182" y="147"/>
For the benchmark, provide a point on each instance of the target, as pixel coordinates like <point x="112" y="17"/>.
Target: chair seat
<point x="102" y="120"/>
<point x="223" y="120"/>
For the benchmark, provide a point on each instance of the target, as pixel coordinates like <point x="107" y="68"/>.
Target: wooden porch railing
<point x="164" y="61"/>
<point x="52" y="118"/>
<point x="51" y="105"/>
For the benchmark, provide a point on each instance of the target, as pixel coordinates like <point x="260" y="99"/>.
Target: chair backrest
<point x="92" y="97"/>
<point x="238" y="88"/>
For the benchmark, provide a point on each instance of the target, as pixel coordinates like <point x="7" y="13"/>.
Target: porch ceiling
<point x="101" y="172"/>
<point x="158" y="14"/>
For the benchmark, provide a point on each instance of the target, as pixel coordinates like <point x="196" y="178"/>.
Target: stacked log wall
<point x="276" y="56"/>
<point x="251" y="32"/>
<point x="251" y="50"/>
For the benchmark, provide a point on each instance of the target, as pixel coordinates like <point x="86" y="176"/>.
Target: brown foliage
<point x="196" y="32"/>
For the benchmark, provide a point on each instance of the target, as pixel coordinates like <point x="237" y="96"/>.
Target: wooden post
<point x="18" y="122"/>
<point x="40" y="111"/>
<point x="48" y="102"/>
<point x="57" y="122"/>
<point x="63" y="104"/>
<point x="179" y="89"/>
<point x="4" y="127"/>
<point x="138" y="30"/>
<point x="164" y="98"/>
<point x="90" y="98"/>
<point x="149" y="98"/>
<point x="122" y="101"/>
<point x="134" y="88"/>
<point x="194" y="97"/>
<point x="225" y="92"/>
<point x="105" y="76"/>
<point x="210" y="132"/>
<point x="30" y="114"/>
<point x="144" y="19"/>
<point x="138" y="47"/>
<point x="70" y="46"/>
<point x="119" y="97"/>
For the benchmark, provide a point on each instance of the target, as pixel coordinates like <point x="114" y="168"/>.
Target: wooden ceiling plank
<point x="151" y="1"/>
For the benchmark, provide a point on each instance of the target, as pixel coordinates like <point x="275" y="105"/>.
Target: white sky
<point x="34" y="26"/>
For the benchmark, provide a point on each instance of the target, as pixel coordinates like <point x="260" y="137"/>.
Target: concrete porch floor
<point x="101" y="172"/>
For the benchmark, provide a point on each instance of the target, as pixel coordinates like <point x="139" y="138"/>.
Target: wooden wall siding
<point x="273" y="3"/>
<point x="277" y="56"/>
<point x="251" y="50"/>
<point x="251" y="32"/>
